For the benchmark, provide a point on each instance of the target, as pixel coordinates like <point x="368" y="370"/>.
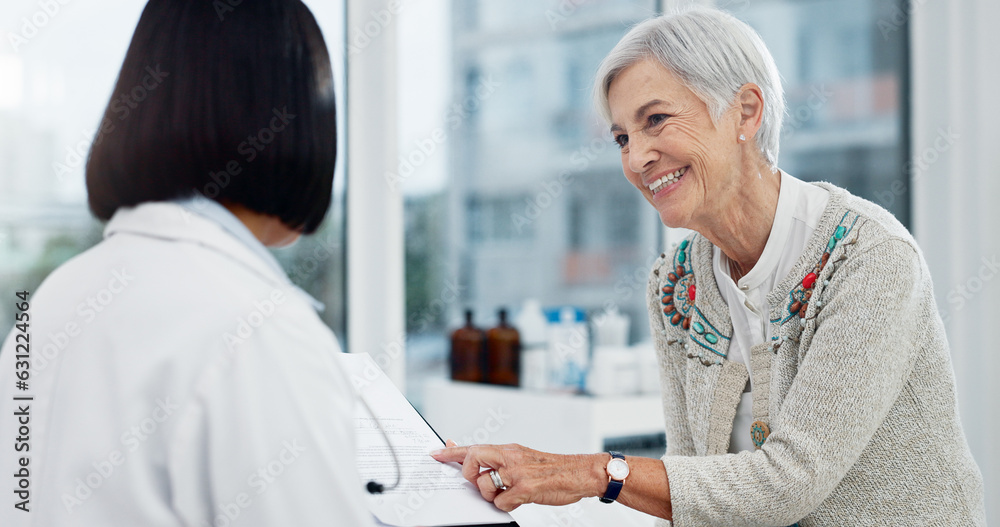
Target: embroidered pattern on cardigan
<point x="678" y="298"/>
<point x="801" y="295"/>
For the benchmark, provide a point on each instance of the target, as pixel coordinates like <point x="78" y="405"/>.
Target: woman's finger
<point x="477" y="457"/>
<point x="474" y="459"/>
<point x="449" y="443"/>
<point x="508" y="501"/>
<point x="454" y="454"/>
<point x="486" y="486"/>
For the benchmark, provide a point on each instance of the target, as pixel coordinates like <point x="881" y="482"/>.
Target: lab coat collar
<point x="209" y="225"/>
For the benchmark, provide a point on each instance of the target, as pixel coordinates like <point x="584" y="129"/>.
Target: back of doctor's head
<point x="234" y="102"/>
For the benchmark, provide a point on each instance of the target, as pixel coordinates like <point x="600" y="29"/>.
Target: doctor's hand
<point x="529" y="476"/>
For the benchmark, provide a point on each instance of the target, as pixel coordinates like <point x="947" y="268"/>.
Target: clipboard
<point x="444" y="443"/>
<point x="514" y="524"/>
<point x="451" y="502"/>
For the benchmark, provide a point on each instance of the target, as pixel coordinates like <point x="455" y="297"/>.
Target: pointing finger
<point x="450" y="454"/>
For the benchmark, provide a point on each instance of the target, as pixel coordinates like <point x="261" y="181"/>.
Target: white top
<point x="178" y="379"/>
<point x="800" y="207"/>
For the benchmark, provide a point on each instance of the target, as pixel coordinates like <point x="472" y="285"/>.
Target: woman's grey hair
<point x="714" y="54"/>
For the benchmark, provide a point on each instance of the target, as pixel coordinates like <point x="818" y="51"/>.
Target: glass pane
<point x="513" y="187"/>
<point x="56" y="81"/>
<point x="512" y="190"/>
<point x="318" y="263"/>
<point x="844" y="66"/>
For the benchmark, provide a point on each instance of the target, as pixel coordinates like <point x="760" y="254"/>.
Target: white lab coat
<point x="177" y="380"/>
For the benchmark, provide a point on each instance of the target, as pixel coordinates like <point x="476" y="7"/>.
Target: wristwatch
<point x="617" y="472"/>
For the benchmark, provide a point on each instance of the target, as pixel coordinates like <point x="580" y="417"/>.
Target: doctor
<point x="177" y="377"/>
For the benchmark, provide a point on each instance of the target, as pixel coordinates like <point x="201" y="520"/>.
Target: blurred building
<point x="536" y="202"/>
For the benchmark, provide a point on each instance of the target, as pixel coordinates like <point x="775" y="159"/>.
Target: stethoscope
<point x="374" y="487"/>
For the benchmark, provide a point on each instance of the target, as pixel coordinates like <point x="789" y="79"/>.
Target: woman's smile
<point x="665" y="183"/>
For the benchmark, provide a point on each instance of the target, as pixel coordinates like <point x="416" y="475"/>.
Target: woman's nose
<point x="641" y="155"/>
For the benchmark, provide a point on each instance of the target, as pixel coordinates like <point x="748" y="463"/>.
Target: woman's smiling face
<point x="685" y="165"/>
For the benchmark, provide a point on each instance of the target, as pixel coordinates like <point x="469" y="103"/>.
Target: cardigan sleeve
<point x="858" y="361"/>
<point x="678" y="433"/>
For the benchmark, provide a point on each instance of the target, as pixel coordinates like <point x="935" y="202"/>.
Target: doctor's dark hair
<point x="232" y="102"/>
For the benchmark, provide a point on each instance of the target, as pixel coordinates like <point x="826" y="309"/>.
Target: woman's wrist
<point x="598" y="474"/>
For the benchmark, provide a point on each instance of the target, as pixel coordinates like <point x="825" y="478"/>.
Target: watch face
<point x="617" y="469"/>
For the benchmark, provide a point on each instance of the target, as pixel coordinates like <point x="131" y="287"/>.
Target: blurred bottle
<point x="468" y="344"/>
<point x="610" y="329"/>
<point x="503" y="353"/>
<point x="533" y="327"/>
<point x="614" y="368"/>
<point x="568" y="350"/>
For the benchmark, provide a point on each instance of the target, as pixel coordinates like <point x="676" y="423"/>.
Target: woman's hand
<point x="530" y="476"/>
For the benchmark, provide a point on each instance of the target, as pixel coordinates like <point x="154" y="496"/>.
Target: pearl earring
<point x="743" y="137"/>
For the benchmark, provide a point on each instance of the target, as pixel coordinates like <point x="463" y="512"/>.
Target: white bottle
<point x="569" y="349"/>
<point x="614" y="370"/>
<point x="611" y="329"/>
<point x="533" y="327"/>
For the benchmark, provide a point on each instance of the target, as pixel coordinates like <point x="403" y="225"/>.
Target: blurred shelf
<point x="552" y="422"/>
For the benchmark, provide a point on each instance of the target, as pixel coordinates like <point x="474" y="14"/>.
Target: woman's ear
<point x="750" y="102"/>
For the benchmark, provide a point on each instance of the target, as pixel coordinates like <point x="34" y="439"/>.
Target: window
<point x="525" y="197"/>
<point x="844" y="67"/>
<point x="529" y="199"/>
<point x="57" y="80"/>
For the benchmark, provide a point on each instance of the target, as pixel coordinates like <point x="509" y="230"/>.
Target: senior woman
<point x="805" y="370"/>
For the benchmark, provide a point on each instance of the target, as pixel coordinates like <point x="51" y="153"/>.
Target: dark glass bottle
<point x="503" y="353"/>
<point x="468" y="344"/>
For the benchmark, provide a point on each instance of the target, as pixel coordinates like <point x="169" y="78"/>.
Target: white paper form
<point x="429" y="493"/>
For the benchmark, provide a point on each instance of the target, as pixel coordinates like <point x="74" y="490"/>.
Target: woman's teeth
<point x="668" y="179"/>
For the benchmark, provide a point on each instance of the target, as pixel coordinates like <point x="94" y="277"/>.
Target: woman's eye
<point x="657" y="118"/>
<point x="621" y="140"/>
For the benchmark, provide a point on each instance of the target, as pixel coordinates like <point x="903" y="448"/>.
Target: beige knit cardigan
<point x="858" y="394"/>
